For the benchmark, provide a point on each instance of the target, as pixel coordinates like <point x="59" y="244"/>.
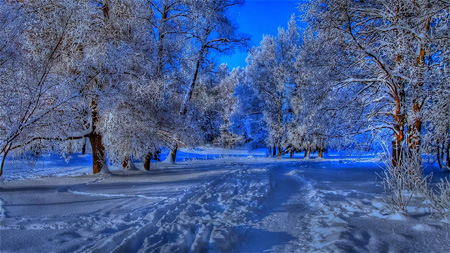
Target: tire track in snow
<point x="208" y="220"/>
<point x="115" y="195"/>
<point x="282" y="226"/>
<point x="145" y="225"/>
<point x="162" y="218"/>
<point x="203" y="217"/>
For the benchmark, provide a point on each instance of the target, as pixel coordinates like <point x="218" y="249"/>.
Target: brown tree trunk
<point x="308" y="152"/>
<point x="320" y="151"/>
<point x="397" y="150"/>
<point x="173" y="153"/>
<point x="414" y="137"/>
<point x="147" y="161"/>
<point x="98" y="149"/>
<point x="125" y="163"/>
<point x="398" y="137"/>
<point x="280" y="150"/>
<point x="98" y="152"/>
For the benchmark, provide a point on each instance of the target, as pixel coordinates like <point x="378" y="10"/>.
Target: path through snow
<point x="237" y="205"/>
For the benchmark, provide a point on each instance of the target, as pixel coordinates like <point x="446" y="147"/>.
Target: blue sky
<point x="259" y="17"/>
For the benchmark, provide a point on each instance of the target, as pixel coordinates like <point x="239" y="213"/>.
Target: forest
<point x="122" y="81"/>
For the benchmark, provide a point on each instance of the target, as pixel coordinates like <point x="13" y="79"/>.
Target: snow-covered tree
<point x="227" y="104"/>
<point x="323" y="115"/>
<point x="437" y="123"/>
<point x="247" y="120"/>
<point x="388" y="52"/>
<point x="76" y="56"/>
<point x="212" y="32"/>
<point x="185" y="34"/>
<point x="144" y="116"/>
<point x="271" y="72"/>
<point x="39" y="87"/>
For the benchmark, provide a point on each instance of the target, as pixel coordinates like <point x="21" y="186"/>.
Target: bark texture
<point x="173" y="154"/>
<point x="98" y="152"/>
<point x="147" y="161"/>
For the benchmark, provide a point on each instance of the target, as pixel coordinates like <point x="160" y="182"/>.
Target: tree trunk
<point x="414" y="136"/>
<point x="413" y="139"/>
<point x="448" y="156"/>
<point x="191" y="87"/>
<point x="270" y="150"/>
<point x="320" y="153"/>
<point x="173" y="154"/>
<point x="280" y="150"/>
<point x="397" y="149"/>
<point x="274" y="151"/>
<point x="161" y="33"/>
<point x="83" y="149"/>
<point x="147" y="161"/>
<point x="4" y="159"/>
<point x="98" y="152"/>
<point x="125" y="162"/>
<point x="291" y="154"/>
<point x="439" y="156"/>
<point x="98" y="149"/>
<point x="308" y="152"/>
<point x="398" y="137"/>
<point x="156" y="155"/>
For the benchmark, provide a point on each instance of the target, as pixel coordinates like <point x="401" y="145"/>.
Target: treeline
<point x="130" y="77"/>
<point x="361" y="75"/>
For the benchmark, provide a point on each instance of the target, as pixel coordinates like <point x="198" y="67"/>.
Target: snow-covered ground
<point x="239" y="203"/>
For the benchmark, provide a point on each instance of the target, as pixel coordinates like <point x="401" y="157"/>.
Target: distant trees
<point x="247" y="120"/>
<point x="311" y="104"/>
<point x="227" y="103"/>
<point x="271" y="72"/>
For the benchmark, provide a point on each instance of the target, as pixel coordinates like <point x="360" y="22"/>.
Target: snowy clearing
<point x="224" y="205"/>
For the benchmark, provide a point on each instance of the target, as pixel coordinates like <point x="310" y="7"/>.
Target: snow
<point x="233" y="204"/>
